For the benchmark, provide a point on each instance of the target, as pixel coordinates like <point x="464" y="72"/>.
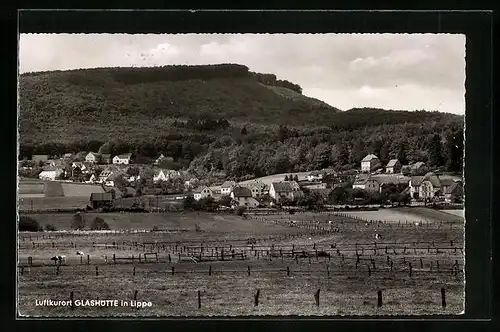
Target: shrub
<point x="98" y="224"/>
<point x="78" y="222"/>
<point x="240" y="210"/>
<point x="291" y="211"/>
<point x="28" y="224"/>
<point x="155" y="228"/>
<point x="197" y="228"/>
<point x="50" y="228"/>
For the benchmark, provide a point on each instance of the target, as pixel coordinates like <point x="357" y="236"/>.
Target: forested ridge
<point x="221" y="119"/>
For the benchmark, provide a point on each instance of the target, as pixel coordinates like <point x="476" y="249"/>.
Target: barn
<point x="100" y="200"/>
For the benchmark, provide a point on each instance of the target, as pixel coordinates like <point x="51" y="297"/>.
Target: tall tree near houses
<point x="454" y="151"/>
<point x="402" y="155"/>
<point x="435" y="151"/>
<point x="375" y="147"/>
<point x="357" y="152"/>
<point x="384" y="153"/>
<point x="343" y="158"/>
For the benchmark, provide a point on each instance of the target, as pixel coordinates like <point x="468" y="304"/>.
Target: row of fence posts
<point x="257" y="295"/>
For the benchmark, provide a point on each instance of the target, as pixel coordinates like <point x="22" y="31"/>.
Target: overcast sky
<point x="392" y="71"/>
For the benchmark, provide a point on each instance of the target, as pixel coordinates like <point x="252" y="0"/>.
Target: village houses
<point x="431" y="185"/>
<point x="122" y="159"/>
<point x="202" y="192"/>
<point x="227" y="187"/>
<point x="285" y="190"/>
<point x="243" y="196"/>
<point x="393" y="166"/>
<point x="258" y="188"/>
<point x="92" y="157"/>
<point x="369" y="163"/>
<point x="367" y="183"/>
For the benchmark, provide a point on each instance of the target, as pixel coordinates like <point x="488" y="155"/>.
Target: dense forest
<point x="221" y="119"/>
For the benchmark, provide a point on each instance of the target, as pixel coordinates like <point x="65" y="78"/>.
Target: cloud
<point x="344" y="70"/>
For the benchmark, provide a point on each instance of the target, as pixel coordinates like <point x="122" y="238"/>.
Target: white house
<point x="315" y="176"/>
<point x="50" y="173"/>
<point x="393" y="166"/>
<point x="162" y="158"/>
<point x="202" y="192"/>
<point x="369" y="163"/>
<point x="244" y="197"/>
<point x="227" y="187"/>
<point x="367" y="184"/>
<point x="160" y="175"/>
<point x="425" y="187"/>
<point x="92" y="157"/>
<point x="285" y="190"/>
<point x="122" y="159"/>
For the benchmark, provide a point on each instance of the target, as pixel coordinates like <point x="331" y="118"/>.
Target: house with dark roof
<point x="366" y="183"/>
<point x="369" y="163"/>
<point x="243" y="196"/>
<point x="393" y="166"/>
<point x="100" y="200"/>
<point x="454" y="193"/>
<point x="285" y="190"/>
<point x="418" y="168"/>
<point x="258" y="188"/>
<point x="429" y="186"/>
<point x="92" y="157"/>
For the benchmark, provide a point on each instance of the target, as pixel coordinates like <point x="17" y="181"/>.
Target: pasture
<point x="258" y="265"/>
<point x="413" y="214"/>
<point x="38" y="195"/>
<point x="277" y="178"/>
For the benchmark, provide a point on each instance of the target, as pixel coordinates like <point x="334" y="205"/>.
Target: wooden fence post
<point x="256" y="298"/>
<point x="135" y="295"/>
<point x="88" y="259"/>
<point x="437" y="265"/>
<point x="210" y="270"/>
<point x="369" y="271"/>
<point x="96" y="271"/>
<point x="114" y="259"/>
<point x="179" y="257"/>
<point x="443" y="298"/>
<point x="57" y="270"/>
<point x="199" y="300"/>
<point x="72" y="301"/>
<point x="248" y="270"/>
<point x="316" y="297"/>
<point x="410" y="268"/>
<point x="133" y="273"/>
<point x="379" y="298"/>
<point x="288" y="271"/>
<point x="392" y="263"/>
<point x="22" y="270"/>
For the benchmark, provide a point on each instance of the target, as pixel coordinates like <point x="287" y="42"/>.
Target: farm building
<point x="429" y="186"/>
<point x="315" y="186"/>
<point x="369" y="163"/>
<point x="454" y="193"/>
<point x="367" y="183"/>
<point x="258" y="188"/>
<point x="244" y="197"/>
<point x="227" y="187"/>
<point x="287" y="189"/>
<point x="122" y="159"/>
<point x="100" y="200"/>
<point x="50" y="173"/>
<point x="418" y="168"/>
<point x="202" y="192"/>
<point x="162" y="158"/>
<point x="393" y="166"/>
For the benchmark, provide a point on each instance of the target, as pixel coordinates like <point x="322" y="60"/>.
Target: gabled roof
<point x="286" y="186"/>
<point x="455" y="188"/>
<point x="101" y="197"/>
<point x="106" y="155"/>
<point x="258" y="185"/>
<point x="416" y="180"/>
<point x="200" y="189"/>
<point x="417" y="165"/>
<point x="242" y="192"/>
<point x="68" y="155"/>
<point x="392" y="163"/>
<point x="316" y="173"/>
<point x="433" y="179"/>
<point x="228" y="184"/>
<point x="369" y="157"/>
<point x="124" y="156"/>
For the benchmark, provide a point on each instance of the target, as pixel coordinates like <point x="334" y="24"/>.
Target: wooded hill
<point x="220" y="119"/>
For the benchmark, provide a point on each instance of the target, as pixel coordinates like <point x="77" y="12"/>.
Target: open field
<point x="409" y="265"/>
<point x="460" y="213"/>
<point x="413" y="214"/>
